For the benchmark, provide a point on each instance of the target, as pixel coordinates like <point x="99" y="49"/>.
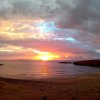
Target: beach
<point x="84" y="87"/>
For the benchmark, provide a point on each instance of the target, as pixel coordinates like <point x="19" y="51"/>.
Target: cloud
<point x="36" y="33"/>
<point x="51" y="25"/>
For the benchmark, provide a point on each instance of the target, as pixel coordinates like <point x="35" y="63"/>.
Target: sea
<point x="25" y="69"/>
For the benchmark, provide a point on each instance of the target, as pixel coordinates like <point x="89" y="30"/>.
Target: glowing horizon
<point x="41" y="33"/>
<point x="45" y="56"/>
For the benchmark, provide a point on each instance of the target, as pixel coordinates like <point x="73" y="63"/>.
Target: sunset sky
<point x="60" y="29"/>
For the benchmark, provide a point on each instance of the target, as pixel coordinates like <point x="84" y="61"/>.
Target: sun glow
<point x="46" y="56"/>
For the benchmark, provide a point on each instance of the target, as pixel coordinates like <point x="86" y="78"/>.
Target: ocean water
<point x="42" y="69"/>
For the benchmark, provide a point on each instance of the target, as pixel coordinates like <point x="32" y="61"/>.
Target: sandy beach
<point x="85" y="87"/>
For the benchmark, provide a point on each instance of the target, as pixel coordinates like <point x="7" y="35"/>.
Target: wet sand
<point x="85" y="87"/>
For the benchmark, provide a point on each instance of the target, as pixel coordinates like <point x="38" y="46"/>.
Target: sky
<point x="64" y="28"/>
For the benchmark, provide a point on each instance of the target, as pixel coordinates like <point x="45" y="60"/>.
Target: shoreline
<point x="83" y="87"/>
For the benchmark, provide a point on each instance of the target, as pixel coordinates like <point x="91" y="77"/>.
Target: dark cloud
<point x="35" y="8"/>
<point x="68" y="14"/>
<point x="85" y="15"/>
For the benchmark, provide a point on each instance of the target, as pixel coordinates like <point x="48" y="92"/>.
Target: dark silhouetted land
<point x="92" y="63"/>
<point x="64" y="62"/>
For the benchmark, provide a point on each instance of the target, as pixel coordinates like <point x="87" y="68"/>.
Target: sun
<point x="46" y="57"/>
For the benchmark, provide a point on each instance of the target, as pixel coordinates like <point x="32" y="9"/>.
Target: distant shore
<point x="91" y="63"/>
<point x="85" y="87"/>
